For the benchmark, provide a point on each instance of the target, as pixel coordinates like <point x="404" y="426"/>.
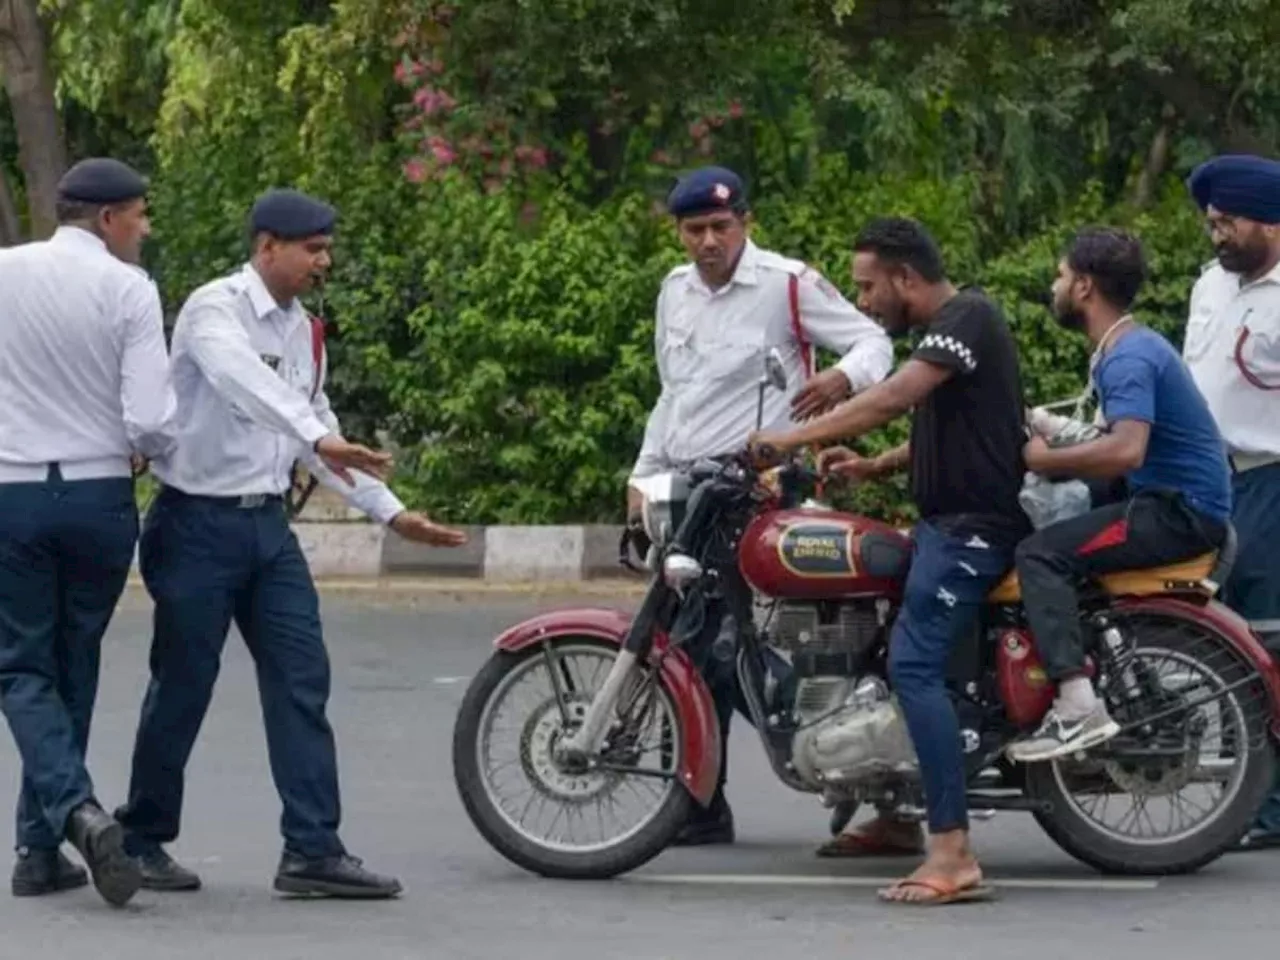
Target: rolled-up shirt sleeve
<point x="147" y="397"/>
<point x="831" y="321"/>
<point x="369" y="494"/>
<point x="219" y="345"/>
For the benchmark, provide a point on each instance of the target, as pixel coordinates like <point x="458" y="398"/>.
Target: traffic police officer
<point x="1232" y="346"/>
<point x="717" y="319"/>
<point x="217" y="546"/>
<point x="84" y="389"/>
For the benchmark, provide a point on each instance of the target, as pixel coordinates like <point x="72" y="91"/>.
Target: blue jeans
<point x="205" y="564"/>
<point x="65" y="552"/>
<point x="952" y="572"/>
<point x="1253" y="589"/>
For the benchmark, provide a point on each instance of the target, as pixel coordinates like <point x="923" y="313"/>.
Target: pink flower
<point x="401" y="74"/>
<point x="698" y="130"/>
<point x="415" y="170"/>
<point x="442" y="152"/>
<point x="538" y="158"/>
<point x="735" y="109"/>
<point x="662" y="158"/>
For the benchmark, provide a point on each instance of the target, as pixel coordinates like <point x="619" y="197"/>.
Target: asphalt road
<point x="400" y="666"/>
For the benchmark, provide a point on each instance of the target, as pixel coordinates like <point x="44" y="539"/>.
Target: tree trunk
<point x="1157" y="161"/>
<point x="42" y="152"/>
<point x="10" y="226"/>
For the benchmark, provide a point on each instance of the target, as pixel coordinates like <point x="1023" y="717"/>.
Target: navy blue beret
<point x="1239" y="186"/>
<point x="706" y="190"/>
<point x="291" y="215"/>
<point x="101" y="180"/>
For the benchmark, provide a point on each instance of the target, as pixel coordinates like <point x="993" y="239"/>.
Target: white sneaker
<point x="1058" y="737"/>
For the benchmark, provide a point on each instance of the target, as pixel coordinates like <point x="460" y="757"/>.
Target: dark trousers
<point x="1148" y="530"/>
<point x="1253" y="589"/>
<point x="207" y="563"/>
<point x="953" y="569"/>
<point x="65" y="553"/>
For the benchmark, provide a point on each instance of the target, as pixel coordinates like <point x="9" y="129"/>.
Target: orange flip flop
<point x="945" y="892"/>
<point x="852" y="845"/>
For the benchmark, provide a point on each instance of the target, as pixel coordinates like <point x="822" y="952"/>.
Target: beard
<point x="1244" y="260"/>
<point x="1069" y="316"/>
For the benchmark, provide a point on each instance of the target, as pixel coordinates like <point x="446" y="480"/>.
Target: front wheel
<point x="554" y="818"/>
<point x="1172" y="795"/>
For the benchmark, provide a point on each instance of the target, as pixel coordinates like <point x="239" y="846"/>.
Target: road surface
<point x="400" y="666"/>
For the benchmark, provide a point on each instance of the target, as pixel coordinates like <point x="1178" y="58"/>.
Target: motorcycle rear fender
<point x="1228" y="624"/>
<point x="700" y="766"/>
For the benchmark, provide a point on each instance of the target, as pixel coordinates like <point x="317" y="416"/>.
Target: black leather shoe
<point x="38" y="872"/>
<point x="707" y="827"/>
<point x="161" y="872"/>
<point x="100" y="840"/>
<point x="343" y="876"/>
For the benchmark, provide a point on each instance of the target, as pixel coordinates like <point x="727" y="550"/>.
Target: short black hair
<point x="903" y="241"/>
<point x="1113" y="259"/>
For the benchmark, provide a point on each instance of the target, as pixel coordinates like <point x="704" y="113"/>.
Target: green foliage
<point x="500" y="166"/>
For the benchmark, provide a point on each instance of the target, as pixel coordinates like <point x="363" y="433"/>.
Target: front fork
<point x="585" y="742"/>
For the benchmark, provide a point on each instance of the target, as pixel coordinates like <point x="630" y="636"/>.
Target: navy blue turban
<point x="1239" y="186"/>
<point x="707" y="190"/>
<point x="291" y="215"/>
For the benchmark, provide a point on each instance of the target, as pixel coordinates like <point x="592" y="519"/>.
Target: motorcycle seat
<point x="1200" y="574"/>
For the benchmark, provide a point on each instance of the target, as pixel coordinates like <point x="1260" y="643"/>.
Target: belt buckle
<point x="252" y="501"/>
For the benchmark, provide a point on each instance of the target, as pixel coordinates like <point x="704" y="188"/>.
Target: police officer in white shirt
<point x="717" y="319"/>
<point x="84" y="390"/>
<point x="217" y="546"/>
<point x="1232" y="347"/>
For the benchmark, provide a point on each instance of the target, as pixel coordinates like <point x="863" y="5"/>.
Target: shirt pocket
<point x="1198" y="338"/>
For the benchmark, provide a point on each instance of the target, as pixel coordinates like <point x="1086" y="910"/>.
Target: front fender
<point x="1228" y="624"/>
<point x="700" y="764"/>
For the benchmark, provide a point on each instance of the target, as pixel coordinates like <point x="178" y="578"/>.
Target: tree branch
<point x="10" y="225"/>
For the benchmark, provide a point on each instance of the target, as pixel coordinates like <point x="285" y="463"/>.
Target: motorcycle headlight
<point x="665" y="495"/>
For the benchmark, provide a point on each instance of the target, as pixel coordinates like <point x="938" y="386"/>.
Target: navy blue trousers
<point x="952" y="572"/>
<point x="65" y="553"/>
<point x="206" y="564"/>
<point x="1253" y="589"/>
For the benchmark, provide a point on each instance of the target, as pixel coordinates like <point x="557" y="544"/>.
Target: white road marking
<point x="802" y="880"/>
<point x="447" y="679"/>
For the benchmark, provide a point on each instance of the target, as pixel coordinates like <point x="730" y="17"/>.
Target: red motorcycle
<point x="583" y="714"/>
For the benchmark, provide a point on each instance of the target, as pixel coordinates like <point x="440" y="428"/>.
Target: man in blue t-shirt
<point x="1160" y="439"/>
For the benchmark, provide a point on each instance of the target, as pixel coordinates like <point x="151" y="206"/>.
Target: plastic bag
<point x="1044" y="501"/>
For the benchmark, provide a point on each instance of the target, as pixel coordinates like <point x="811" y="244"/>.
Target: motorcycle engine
<point x="851" y="729"/>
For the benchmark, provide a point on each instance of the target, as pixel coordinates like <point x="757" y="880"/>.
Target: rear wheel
<point x="551" y="817"/>
<point x="1176" y="792"/>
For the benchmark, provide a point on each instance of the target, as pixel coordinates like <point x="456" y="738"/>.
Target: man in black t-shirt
<point x="965" y="457"/>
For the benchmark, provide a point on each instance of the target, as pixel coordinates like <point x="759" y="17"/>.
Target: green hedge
<point x="503" y="343"/>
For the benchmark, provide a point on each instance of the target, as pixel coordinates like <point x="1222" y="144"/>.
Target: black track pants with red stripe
<point x="1150" y="529"/>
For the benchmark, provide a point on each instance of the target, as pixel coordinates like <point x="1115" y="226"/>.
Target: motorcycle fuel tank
<point x="818" y="554"/>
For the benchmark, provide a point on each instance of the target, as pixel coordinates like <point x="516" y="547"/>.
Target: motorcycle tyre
<point x="1077" y="837"/>
<point x="638" y="850"/>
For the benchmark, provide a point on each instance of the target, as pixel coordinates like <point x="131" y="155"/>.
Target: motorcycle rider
<point x="1160" y="436"/>
<point x="717" y="317"/>
<point x="963" y="388"/>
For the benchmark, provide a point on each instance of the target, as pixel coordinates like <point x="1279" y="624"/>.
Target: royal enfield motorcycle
<point x="581" y="744"/>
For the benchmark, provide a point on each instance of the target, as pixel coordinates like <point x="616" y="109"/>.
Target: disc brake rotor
<point x="542" y="733"/>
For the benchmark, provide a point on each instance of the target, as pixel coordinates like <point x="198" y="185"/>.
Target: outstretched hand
<point x="420" y="528"/>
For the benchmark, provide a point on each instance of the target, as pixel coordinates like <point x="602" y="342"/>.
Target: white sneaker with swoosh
<point x="1058" y="737"/>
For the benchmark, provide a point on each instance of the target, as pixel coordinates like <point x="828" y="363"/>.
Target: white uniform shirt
<point x="243" y="369"/>
<point x="1221" y="309"/>
<point x="84" y="374"/>
<point x="711" y="347"/>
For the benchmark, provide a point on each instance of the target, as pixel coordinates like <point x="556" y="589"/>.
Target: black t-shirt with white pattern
<point x="968" y="434"/>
